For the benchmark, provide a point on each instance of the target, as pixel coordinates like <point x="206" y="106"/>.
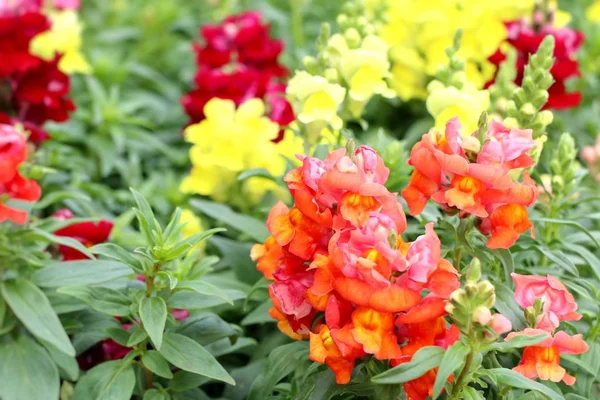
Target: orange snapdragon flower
<point x="472" y="178"/>
<point x="543" y="360"/>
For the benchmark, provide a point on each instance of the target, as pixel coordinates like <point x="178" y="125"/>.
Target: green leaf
<point x="111" y="380"/>
<point x="425" y="359"/>
<point x="184" y="380"/>
<point x="453" y="359"/>
<point x="259" y="315"/>
<point x="514" y="379"/>
<point x="259" y="172"/>
<point x="118" y="253"/>
<point x="138" y="334"/>
<point x="507" y="305"/>
<point x="588" y="256"/>
<point x="579" y="363"/>
<point x="193" y="300"/>
<point x="82" y="272"/>
<point x="59" y="196"/>
<point x="568" y="223"/>
<point x="27" y="372"/>
<point x="559" y="258"/>
<point x="156" y="363"/>
<point x="65" y="241"/>
<point x="516" y="343"/>
<point x="32" y="308"/>
<point x="469" y="393"/>
<point x="205" y="288"/>
<point x="282" y="361"/>
<point x="254" y="228"/>
<point x="68" y="367"/>
<point x="206" y="328"/>
<point x="188" y="355"/>
<point x="153" y="313"/>
<point x="146" y="210"/>
<point x="236" y="255"/>
<point x="155" y="394"/>
<point x="105" y="300"/>
<point x="507" y="261"/>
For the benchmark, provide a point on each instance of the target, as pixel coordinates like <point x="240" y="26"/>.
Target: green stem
<point x="297" y="31"/>
<point x="457" y="257"/>
<point x="150" y="279"/>
<point x="460" y="381"/>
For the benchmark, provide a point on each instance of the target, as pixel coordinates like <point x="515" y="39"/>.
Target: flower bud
<point x="500" y="324"/>
<point x="471" y="288"/>
<point x="482" y="315"/>
<point x="331" y="75"/>
<point x="352" y="37"/>
<point x="528" y="110"/>
<point x="474" y="272"/>
<point x="485" y="288"/>
<point x="546" y="117"/>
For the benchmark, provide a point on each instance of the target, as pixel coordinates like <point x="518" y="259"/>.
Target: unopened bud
<point x="528" y="110"/>
<point x="352" y="37"/>
<point x="546" y="117"/>
<point x="393" y="239"/>
<point x="471" y="288"/>
<point x="459" y="296"/>
<point x="482" y="315"/>
<point x="485" y="288"/>
<point x="474" y="271"/>
<point x="500" y="324"/>
<point x="310" y="63"/>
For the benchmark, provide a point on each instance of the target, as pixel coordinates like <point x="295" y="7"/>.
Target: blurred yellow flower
<point x="420" y="31"/>
<point x="447" y="102"/>
<point x="364" y="69"/>
<point x="64" y="37"/>
<point x="230" y="141"/>
<point x="193" y="225"/>
<point x="315" y="101"/>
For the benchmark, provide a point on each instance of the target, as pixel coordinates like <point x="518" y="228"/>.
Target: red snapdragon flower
<point x="88" y="233"/>
<point x="13" y="152"/>
<point x="527" y="40"/>
<point x="239" y="61"/>
<point x="15" y="34"/>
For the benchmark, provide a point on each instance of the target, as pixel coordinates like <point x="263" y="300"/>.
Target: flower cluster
<point x="546" y="302"/>
<point x="352" y="67"/>
<point x="419" y="31"/>
<point x="591" y="155"/>
<point x="525" y="37"/>
<point x="87" y="233"/>
<point x="33" y="89"/>
<point x="13" y="186"/>
<point x="229" y="141"/>
<point x="339" y="251"/>
<point x="471" y="175"/>
<point x="239" y="61"/>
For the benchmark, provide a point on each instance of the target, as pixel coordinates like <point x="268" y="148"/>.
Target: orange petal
<point x="428" y="308"/>
<point x="353" y="290"/>
<point x="394" y="299"/>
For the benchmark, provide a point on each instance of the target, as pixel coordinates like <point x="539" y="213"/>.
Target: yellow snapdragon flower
<point x="364" y="69"/>
<point x="420" y="31"/>
<point x="230" y="141"/>
<point x="193" y="225"/>
<point x="64" y="37"/>
<point x="315" y="101"/>
<point x="447" y="102"/>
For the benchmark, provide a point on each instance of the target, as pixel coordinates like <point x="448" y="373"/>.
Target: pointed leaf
<point x="514" y="379"/>
<point x="105" y="300"/>
<point x="112" y="380"/>
<point x="81" y="272"/>
<point x="156" y="363"/>
<point x="453" y="359"/>
<point x="153" y="313"/>
<point x="425" y="359"/>
<point x="188" y="355"/>
<point x="27" y="372"/>
<point x="32" y="308"/>
<point x="206" y="289"/>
